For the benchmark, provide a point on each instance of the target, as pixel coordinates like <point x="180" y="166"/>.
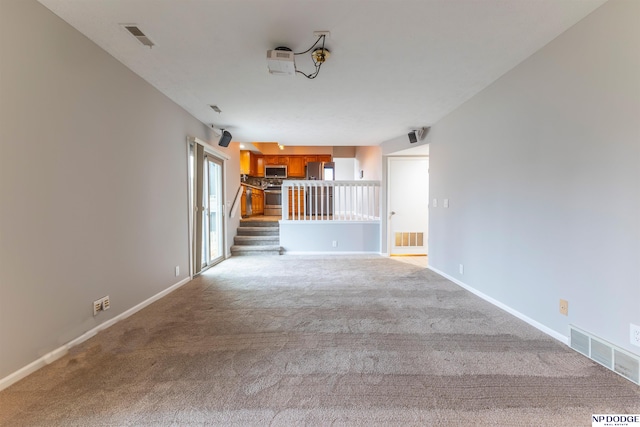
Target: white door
<point x="408" y="205"/>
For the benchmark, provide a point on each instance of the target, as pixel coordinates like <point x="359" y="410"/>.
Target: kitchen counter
<point x="252" y="186"/>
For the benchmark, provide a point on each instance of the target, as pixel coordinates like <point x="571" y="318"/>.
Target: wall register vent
<point x="606" y="354"/>
<point x="409" y="239"/>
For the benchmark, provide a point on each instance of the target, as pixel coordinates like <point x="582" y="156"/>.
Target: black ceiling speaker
<point x="225" y="138"/>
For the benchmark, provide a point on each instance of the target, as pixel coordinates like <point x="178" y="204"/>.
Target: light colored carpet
<point x="310" y="340"/>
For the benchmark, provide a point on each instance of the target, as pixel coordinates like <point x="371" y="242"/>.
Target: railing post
<point x="284" y="201"/>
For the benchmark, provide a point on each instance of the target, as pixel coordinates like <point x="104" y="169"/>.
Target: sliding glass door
<point x="212" y="214"/>
<point x="206" y="201"/>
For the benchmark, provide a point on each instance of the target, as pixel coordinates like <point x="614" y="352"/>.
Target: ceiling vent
<point x="136" y="32"/>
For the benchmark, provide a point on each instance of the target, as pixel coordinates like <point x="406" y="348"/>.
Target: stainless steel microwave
<point x="275" y="171"/>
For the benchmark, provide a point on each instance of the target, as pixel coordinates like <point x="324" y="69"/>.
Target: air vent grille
<point x="606" y="354"/>
<point x="413" y="238"/>
<point x="627" y="366"/>
<point x="136" y="32"/>
<point x="580" y="342"/>
<point x="601" y="353"/>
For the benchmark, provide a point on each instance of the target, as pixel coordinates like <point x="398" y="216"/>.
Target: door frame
<point x="388" y="199"/>
<point x="193" y="176"/>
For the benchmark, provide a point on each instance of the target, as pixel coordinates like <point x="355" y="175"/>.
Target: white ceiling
<point x="395" y="65"/>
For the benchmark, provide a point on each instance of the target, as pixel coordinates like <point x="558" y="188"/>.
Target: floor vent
<point x="618" y="360"/>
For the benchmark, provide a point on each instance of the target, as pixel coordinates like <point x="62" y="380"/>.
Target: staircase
<point x="257" y="238"/>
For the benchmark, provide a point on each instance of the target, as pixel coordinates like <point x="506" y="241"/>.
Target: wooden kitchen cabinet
<point x="245" y="162"/>
<point x="296" y="167"/>
<point x="271" y="160"/>
<point x="257" y="201"/>
<point x="295" y="164"/>
<point x="259" y="166"/>
<point x="249" y="163"/>
<point x="243" y="202"/>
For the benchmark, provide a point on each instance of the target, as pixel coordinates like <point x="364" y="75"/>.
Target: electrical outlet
<point x="335" y="243"/>
<point x="106" y="304"/>
<point x="322" y="33"/>
<point x="445" y="203"/>
<point x="435" y="203"/>
<point x="177" y="270"/>
<point x="564" y="307"/>
<point x="634" y="334"/>
<point x="461" y="269"/>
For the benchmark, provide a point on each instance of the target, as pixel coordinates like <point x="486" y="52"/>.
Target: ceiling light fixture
<point x="281" y="60"/>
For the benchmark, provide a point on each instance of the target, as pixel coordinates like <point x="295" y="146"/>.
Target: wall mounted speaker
<point x="225" y="139"/>
<point x="413" y="137"/>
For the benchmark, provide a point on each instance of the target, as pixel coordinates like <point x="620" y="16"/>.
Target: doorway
<point x="408" y="205"/>
<point x="207" y="225"/>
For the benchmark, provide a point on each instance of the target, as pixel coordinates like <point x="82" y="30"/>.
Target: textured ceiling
<point x="395" y="65"/>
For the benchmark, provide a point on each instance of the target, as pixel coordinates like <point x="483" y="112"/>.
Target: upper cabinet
<point x="253" y="164"/>
<point x="260" y="166"/>
<point x="245" y="162"/>
<point x="296" y="167"/>
<point x="270" y="160"/>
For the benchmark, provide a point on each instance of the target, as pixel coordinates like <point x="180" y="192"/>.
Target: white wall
<point x="232" y="184"/>
<point x="93" y="184"/>
<point x="345" y="169"/>
<point x="542" y="170"/>
<point x="307" y="236"/>
<point x="369" y="160"/>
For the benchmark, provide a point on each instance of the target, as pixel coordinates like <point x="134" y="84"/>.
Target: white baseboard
<point x="553" y="334"/>
<point x="64" y="349"/>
